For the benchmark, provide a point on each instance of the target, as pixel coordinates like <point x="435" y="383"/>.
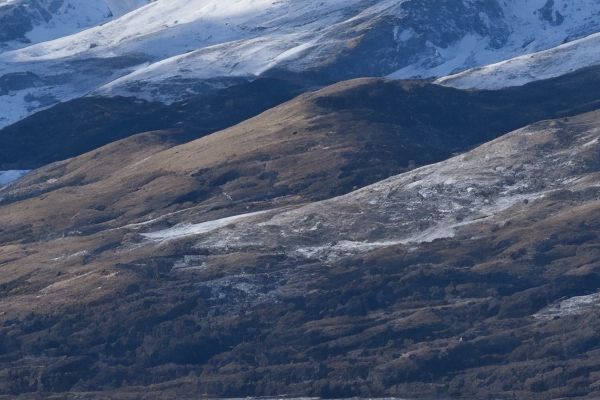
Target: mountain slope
<point x="26" y="22"/>
<point x="550" y="63"/>
<point x="366" y="130"/>
<point x="81" y="125"/>
<point x="165" y="53"/>
<point x="75" y="127"/>
<point x="448" y="278"/>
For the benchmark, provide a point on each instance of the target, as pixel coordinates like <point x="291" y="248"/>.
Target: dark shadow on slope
<point x="78" y="126"/>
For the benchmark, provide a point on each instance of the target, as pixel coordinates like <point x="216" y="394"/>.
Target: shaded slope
<point x="78" y="126"/>
<point x="75" y="127"/>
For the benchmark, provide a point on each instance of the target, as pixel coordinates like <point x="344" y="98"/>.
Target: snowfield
<point x="48" y="20"/>
<point x="551" y="63"/>
<point x="163" y="50"/>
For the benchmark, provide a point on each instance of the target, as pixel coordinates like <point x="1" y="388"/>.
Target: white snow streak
<point x="572" y="306"/>
<point x="531" y="67"/>
<point x="185" y="230"/>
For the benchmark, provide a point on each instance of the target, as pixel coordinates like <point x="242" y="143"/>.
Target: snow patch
<point x="518" y="71"/>
<point x="51" y="20"/>
<point x="185" y="230"/>
<point x="11" y="176"/>
<point x="572" y="306"/>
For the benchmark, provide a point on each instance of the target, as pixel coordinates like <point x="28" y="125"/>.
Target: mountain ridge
<point x="27" y="22"/>
<point x="569" y="57"/>
<point x="196" y="201"/>
<point x="166" y="53"/>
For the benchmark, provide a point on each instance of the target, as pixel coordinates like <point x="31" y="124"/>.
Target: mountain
<point x="229" y="266"/>
<point x="168" y="51"/>
<point x="81" y="125"/>
<point x="550" y="63"/>
<point x="26" y="22"/>
<point x="213" y="199"/>
<point x="367" y="129"/>
<point x="77" y="126"/>
<point x="467" y="278"/>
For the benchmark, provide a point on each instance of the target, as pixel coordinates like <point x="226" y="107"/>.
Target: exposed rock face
<point x="549" y="13"/>
<point x="394" y="35"/>
<point x="15" y="23"/>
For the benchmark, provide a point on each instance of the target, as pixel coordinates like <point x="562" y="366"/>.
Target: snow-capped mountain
<point x="518" y="71"/>
<point x="23" y="22"/>
<point x="208" y="217"/>
<point x="168" y="49"/>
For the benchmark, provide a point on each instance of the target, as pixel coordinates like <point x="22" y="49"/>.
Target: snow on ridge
<point x="532" y="30"/>
<point x="518" y="71"/>
<point x="159" y="45"/>
<point x="163" y="30"/>
<point x="186" y="229"/>
<point x="156" y="50"/>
